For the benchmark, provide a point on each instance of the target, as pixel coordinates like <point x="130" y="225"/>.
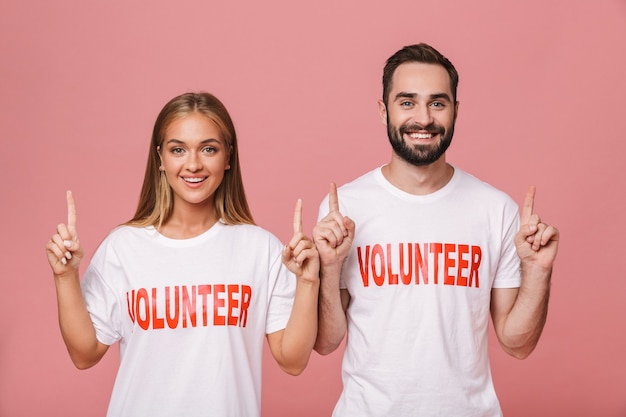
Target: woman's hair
<point x="156" y="202"/>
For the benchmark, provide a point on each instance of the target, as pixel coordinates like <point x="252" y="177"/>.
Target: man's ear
<point x="382" y="112"/>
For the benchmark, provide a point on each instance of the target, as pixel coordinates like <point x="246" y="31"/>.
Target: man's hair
<point x="422" y="53"/>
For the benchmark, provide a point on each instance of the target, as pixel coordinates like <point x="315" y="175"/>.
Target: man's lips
<point x="419" y="135"/>
<point x="421" y="132"/>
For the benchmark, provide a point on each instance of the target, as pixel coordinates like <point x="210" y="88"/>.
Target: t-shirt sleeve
<point x="508" y="274"/>
<point x="281" y="294"/>
<point x="102" y="303"/>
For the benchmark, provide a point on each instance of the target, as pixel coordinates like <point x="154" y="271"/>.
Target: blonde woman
<point x="189" y="287"/>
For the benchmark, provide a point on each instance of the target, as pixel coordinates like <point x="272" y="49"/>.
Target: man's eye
<point x="437" y="104"/>
<point x="406" y="104"/>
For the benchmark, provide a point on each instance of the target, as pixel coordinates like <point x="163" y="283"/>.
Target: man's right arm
<point x="333" y="236"/>
<point x="333" y="302"/>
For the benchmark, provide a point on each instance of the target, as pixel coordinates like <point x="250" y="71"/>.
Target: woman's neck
<point x="189" y="221"/>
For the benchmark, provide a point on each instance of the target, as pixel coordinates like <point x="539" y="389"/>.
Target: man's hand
<point x="536" y="242"/>
<point x="333" y="235"/>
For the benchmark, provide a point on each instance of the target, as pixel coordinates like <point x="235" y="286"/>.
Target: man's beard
<point x="419" y="155"/>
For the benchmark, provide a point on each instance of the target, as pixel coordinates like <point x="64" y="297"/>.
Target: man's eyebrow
<point x="436" y="96"/>
<point x="404" y="94"/>
<point x="444" y="96"/>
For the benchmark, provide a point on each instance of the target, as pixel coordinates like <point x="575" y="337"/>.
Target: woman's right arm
<point x="64" y="256"/>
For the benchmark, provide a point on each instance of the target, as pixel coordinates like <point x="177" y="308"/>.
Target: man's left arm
<point x="519" y="314"/>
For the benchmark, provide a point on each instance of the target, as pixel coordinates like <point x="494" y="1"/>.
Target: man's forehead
<point x="420" y="78"/>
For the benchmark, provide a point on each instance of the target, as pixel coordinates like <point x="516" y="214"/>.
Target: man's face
<point x="420" y="112"/>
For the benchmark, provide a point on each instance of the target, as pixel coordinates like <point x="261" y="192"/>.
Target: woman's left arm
<point x="292" y="346"/>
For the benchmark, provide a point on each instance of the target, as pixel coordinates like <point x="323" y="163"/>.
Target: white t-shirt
<point x="191" y="316"/>
<point x="420" y="274"/>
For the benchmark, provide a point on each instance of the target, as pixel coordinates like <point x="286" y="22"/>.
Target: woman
<point x="189" y="286"/>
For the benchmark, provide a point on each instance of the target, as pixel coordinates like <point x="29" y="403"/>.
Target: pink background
<point x="542" y="102"/>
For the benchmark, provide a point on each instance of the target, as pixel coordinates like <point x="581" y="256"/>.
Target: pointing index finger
<point x="297" y="217"/>
<point x="529" y="202"/>
<point x="71" y="212"/>
<point x="333" y="199"/>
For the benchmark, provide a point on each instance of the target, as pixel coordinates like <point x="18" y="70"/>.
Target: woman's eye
<point x="177" y="151"/>
<point x="209" y="149"/>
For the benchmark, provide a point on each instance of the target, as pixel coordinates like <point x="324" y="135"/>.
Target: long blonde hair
<point x="155" y="201"/>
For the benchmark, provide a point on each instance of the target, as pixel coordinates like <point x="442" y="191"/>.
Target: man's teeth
<point x="421" y="135"/>
<point x="194" y="179"/>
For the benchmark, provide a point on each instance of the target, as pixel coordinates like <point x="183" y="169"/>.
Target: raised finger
<point x="333" y="199"/>
<point x="71" y="213"/>
<point x="333" y="204"/>
<point x="297" y="217"/>
<point x="529" y="202"/>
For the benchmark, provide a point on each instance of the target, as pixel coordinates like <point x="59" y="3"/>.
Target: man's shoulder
<point x="479" y="188"/>
<point x="360" y="182"/>
<point x="350" y="193"/>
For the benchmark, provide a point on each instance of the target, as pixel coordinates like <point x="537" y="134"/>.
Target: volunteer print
<point x="420" y="263"/>
<point x="183" y="306"/>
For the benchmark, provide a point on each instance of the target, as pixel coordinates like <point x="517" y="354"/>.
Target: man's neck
<point x="418" y="180"/>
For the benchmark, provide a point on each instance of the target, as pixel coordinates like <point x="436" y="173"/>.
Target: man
<point x="434" y="252"/>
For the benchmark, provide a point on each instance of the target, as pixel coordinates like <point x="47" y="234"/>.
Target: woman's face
<point x="194" y="157"/>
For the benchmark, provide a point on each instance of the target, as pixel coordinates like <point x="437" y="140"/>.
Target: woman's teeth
<point x="194" y="180"/>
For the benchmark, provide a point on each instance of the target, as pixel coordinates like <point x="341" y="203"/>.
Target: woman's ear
<point x="230" y="153"/>
<point x="160" y="158"/>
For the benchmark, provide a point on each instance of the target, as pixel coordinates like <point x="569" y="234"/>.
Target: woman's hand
<point x="300" y="255"/>
<point x="64" y="250"/>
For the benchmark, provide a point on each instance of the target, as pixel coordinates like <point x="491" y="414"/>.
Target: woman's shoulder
<point x="125" y="235"/>
<point x="249" y="233"/>
<point x="125" y="231"/>
<point x="246" y="229"/>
